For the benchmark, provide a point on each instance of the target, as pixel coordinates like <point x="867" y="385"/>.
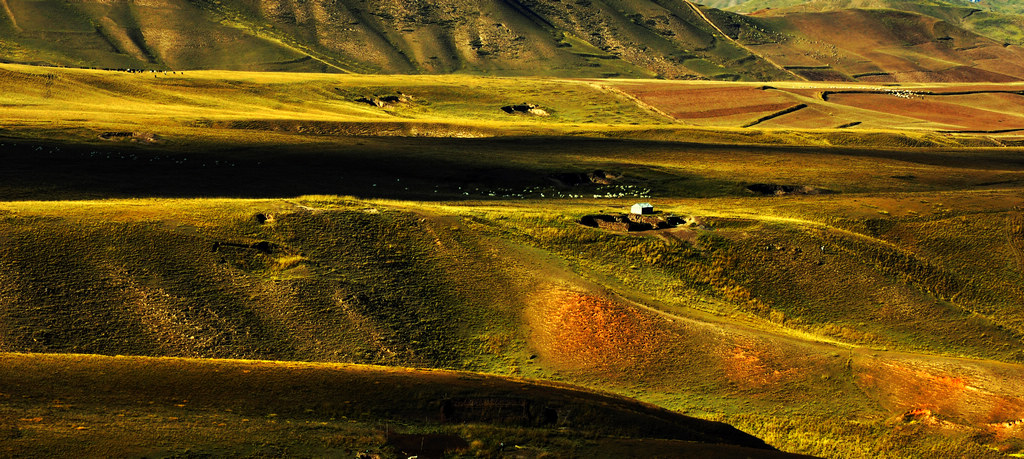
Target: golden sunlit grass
<point x="185" y="98"/>
<point x="157" y="252"/>
<point x="253" y="107"/>
<point x="796" y="317"/>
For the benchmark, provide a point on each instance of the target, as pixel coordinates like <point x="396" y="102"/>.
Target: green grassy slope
<point x="476" y="286"/>
<point x="343" y="286"/>
<point x="317" y="286"/>
<point x="879" y="318"/>
<point x="197" y="99"/>
<point x="261" y="108"/>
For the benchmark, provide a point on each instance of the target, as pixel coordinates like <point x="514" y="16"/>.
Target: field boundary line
<point x="776" y="115"/>
<point x="637" y="101"/>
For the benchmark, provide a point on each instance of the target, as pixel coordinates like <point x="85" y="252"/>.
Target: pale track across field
<point x="727" y="37"/>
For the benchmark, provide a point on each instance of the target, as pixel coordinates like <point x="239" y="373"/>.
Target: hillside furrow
<point x="138" y="39"/>
<point x="236" y="20"/>
<point x="1014" y="230"/>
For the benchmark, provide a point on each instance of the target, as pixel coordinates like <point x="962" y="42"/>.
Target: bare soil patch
<point x="575" y="330"/>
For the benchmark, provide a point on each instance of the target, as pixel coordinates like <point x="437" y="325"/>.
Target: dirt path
<point x="1015" y="219"/>
<point x="727" y="37"/>
<point x="977" y="391"/>
<point x="232" y="21"/>
<point x="814" y="224"/>
<point x="10" y="15"/>
<point x="302" y="207"/>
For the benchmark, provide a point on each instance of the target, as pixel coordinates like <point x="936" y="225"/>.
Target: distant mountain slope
<point x="590" y="38"/>
<point x="529" y="38"/>
<point x="153" y="34"/>
<point x="997" y="6"/>
<point x="885" y="45"/>
<point x="1002" y="22"/>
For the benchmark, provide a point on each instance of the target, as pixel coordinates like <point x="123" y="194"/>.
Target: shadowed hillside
<point x="244" y="407"/>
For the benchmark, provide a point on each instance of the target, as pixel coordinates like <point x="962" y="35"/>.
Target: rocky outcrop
<point x="771" y="189"/>
<point x="385" y="101"/>
<point x="630" y="222"/>
<point x="524" y="109"/>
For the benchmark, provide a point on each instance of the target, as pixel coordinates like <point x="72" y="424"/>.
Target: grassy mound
<point x="56" y="404"/>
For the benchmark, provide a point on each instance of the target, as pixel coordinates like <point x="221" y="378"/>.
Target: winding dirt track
<point x="10" y="15"/>
<point x="1013" y="241"/>
<point x="727" y="37"/>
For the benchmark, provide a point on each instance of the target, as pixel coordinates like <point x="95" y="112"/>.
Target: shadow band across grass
<point x="426" y="169"/>
<point x="397" y="168"/>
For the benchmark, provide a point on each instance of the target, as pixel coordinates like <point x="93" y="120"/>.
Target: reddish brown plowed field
<point x="934" y="109"/>
<point x="1012" y="104"/>
<point x="709" y="102"/>
<point x="752" y="110"/>
<point x="985" y="107"/>
<point x="902" y="47"/>
<point x="811" y="118"/>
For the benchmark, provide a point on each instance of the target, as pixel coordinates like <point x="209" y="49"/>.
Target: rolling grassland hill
<point x="758" y="322"/>
<point x="168" y="111"/>
<point x="839" y="292"/>
<point x="384" y="228"/>
<point x="62" y="405"/>
<point x="599" y="38"/>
